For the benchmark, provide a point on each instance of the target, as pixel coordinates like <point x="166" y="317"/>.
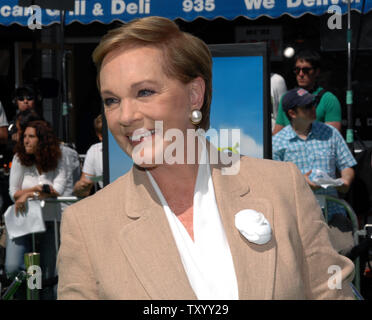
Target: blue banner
<point x="106" y="11"/>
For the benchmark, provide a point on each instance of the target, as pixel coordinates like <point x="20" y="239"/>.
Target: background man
<point x="93" y="164"/>
<point x="24" y="99"/>
<point x="307" y="70"/>
<point x="314" y="145"/>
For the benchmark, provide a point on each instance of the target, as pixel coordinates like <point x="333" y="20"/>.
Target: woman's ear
<point x="197" y="91"/>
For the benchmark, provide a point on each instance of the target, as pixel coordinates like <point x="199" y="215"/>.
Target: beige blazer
<point x="117" y="244"/>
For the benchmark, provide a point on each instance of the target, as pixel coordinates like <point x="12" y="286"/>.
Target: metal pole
<point x="64" y="82"/>
<point x="349" y="92"/>
<point x="32" y="259"/>
<point x="56" y="237"/>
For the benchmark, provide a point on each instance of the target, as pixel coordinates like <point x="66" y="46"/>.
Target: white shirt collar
<point x="207" y="260"/>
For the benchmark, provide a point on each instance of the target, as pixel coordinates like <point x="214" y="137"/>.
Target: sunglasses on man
<point x="22" y="98"/>
<point x="305" y="70"/>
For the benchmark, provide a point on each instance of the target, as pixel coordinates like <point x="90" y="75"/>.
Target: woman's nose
<point x="129" y="113"/>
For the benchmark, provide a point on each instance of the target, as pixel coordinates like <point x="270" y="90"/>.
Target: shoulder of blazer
<point x="266" y="176"/>
<point x="257" y="166"/>
<point x="110" y="198"/>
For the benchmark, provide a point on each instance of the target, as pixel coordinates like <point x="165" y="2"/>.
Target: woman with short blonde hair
<point x="180" y="227"/>
<point x="185" y="56"/>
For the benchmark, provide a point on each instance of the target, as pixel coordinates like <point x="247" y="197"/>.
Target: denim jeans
<point x="45" y="245"/>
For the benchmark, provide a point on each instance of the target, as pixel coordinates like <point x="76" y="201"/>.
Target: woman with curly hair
<point x="37" y="172"/>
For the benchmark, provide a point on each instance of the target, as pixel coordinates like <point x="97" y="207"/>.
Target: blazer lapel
<point x="148" y="244"/>
<point x="254" y="264"/>
<point x="159" y="267"/>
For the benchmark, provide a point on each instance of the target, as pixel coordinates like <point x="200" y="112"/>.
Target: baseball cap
<point x="296" y="97"/>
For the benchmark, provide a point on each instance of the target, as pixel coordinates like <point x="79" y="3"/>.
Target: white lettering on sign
<point x="97" y="9"/>
<point x="312" y="3"/>
<point x="52" y="12"/>
<point x="198" y="5"/>
<point x="293" y="3"/>
<point x="80" y="8"/>
<point x="258" y="4"/>
<point x="5" y="11"/>
<point x="309" y="3"/>
<point x="120" y="7"/>
<point x="18" y="11"/>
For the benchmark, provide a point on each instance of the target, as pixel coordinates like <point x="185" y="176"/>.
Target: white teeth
<point x="138" y="137"/>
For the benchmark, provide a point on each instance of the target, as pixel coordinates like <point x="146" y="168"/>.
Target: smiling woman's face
<point x="136" y="92"/>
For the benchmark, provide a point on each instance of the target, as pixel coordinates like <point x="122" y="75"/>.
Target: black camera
<point x="46" y="188"/>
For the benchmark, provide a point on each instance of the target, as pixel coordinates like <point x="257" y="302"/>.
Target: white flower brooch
<point x="253" y="226"/>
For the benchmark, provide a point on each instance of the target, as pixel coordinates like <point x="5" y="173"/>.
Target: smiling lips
<point x="140" y="135"/>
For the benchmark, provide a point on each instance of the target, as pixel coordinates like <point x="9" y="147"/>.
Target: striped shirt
<point x="324" y="149"/>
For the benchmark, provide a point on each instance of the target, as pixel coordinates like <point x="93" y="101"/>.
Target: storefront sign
<point x="106" y="11"/>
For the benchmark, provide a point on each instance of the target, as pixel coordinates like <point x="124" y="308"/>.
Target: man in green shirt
<point x="307" y="69"/>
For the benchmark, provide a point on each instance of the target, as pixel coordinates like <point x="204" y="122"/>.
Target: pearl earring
<point x="196" y="117"/>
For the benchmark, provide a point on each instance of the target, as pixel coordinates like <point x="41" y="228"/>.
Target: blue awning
<point x="106" y="11"/>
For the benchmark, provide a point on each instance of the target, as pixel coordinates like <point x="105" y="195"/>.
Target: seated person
<point x="92" y="164"/>
<point x="38" y="172"/>
<point x="314" y="145"/>
<point x="69" y="154"/>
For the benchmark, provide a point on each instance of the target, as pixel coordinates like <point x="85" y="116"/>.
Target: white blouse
<point x="22" y="177"/>
<point x="207" y="260"/>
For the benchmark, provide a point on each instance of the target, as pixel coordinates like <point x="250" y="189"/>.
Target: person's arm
<point x="335" y="124"/>
<point x="60" y="179"/>
<point x="83" y="187"/>
<point x="17" y="194"/>
<point x="16" y="177"/>
<point x="333" y="113"/>
<point x="347" y="175"/>
<point x="327" y="274"/>
<point x="345" y="162"/>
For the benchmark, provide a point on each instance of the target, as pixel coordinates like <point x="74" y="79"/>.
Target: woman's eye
<point x="109" y="101"/>
<point x="145" y="92"/>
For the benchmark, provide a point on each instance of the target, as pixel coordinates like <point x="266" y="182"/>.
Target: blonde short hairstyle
<point x="186" y="57"/>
